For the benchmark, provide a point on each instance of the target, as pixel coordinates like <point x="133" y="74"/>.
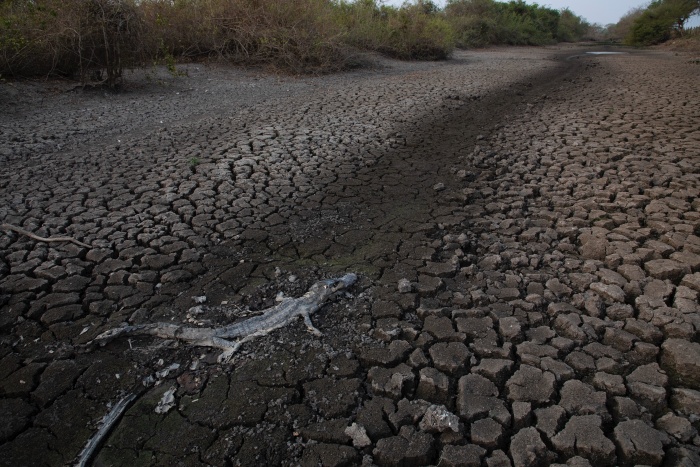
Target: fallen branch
<point x="257" y="326"/>
<point x="27" y="233"/>
<point x="108" y="423"/>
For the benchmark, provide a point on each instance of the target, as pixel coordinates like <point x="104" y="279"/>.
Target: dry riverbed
<point x="525" y="225"/>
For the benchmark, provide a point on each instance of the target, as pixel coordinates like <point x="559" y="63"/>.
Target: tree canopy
<point x="660" y="20"/>
<point x="481" y="22"/>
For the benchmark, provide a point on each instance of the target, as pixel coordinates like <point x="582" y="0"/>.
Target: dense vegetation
<point x="660" y="21"/>
<point x="484" y="22"/>
<point x="97" y="39"/>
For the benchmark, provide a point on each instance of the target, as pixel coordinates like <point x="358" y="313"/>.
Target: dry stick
<point x="43" y="239"/>
<point x="108" y="423"/>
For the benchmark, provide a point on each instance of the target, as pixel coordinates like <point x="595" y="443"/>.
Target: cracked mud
<point x="525" y="224"/>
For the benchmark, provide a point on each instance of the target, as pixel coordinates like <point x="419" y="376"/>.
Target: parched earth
<point x="525" y="224"/>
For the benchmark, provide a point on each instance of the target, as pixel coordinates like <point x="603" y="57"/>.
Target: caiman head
<point x="325" y="288"/>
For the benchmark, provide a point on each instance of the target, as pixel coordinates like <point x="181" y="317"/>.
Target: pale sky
<point x="594" y="11"/>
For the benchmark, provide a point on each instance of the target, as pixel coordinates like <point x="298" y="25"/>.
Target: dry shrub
<point x="476" y="22"/>
<point x="38" y="38"/>
<point x="622" y="28"/>
<point x="81" y="37"/>
<point x="414" y="31"/>
<point x="300" y="36"/>
<point x="295" y="35"/>
<point x="69" y="37"/>
<point x="485" y="22"/>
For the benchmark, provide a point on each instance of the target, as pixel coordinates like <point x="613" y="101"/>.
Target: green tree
<point x="620" y="30"/>
<point x="658" y="22"/>
<point x="681" y="11"/>
<point x="476" y="22"/>
<point x="571" y="27"/>
<point x="483" y="22"/>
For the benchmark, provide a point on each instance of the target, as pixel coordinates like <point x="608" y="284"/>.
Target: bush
<point x="650" y="29"/>
<point x="68" y="37"/>
<point x="417" y="33"/>
<point x="660" y="20"/>
<point x="414" y="31"/>
<point x="300" y="36"/>
<point x="89" y="38"/>
<point x="476" y="22"/>
<point x="622" y="28"/>
<point x="297" y="35"/>
<point x="483" y="22"/>
<point x="570" y="27"/>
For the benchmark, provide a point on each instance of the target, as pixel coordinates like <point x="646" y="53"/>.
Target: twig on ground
<point x="108" y="423"/>
<point x="21" y="231"/>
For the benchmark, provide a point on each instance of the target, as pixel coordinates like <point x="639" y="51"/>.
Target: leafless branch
<point x="27" y="233"/>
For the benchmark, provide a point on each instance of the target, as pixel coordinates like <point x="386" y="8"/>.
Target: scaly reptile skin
<point x="273" y="318"/>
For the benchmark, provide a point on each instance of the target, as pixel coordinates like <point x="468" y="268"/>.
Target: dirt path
<point x="524" y="222"/>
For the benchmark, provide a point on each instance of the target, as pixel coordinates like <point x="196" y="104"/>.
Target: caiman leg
<point x="232" y="347"/>
<point x="309" y="325"/>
